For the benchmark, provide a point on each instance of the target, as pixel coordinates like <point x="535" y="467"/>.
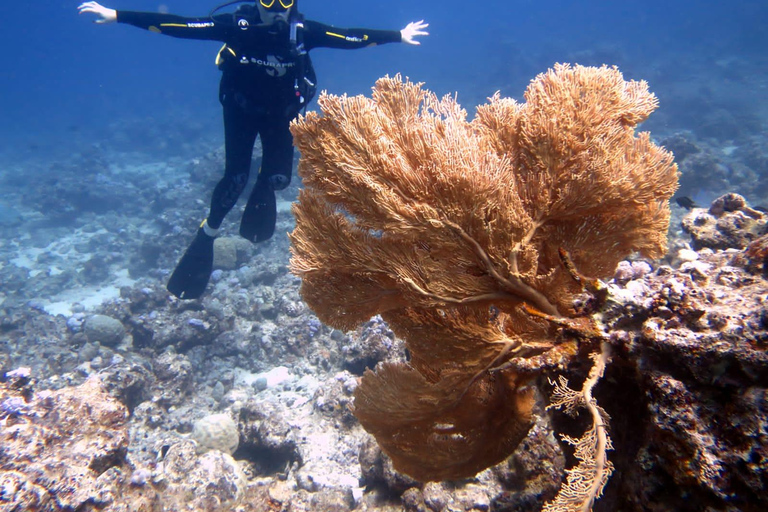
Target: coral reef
<point x="729" y="222"/>
<point x="455" y="233"/>
<point x="686" y="390"/>
<point x="707" y="169"/>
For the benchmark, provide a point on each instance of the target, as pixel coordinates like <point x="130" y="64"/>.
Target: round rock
<point x="104" y="329"/>
<point x="216" y="432"/>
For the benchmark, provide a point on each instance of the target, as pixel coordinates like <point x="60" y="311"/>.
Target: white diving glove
<point x="411" y="30"/>
<point x="105" y="15"/>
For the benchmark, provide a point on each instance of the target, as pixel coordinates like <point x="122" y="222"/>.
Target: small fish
<point x="686" y="202"/>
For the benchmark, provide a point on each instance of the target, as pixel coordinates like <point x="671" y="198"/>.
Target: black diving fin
<point x="260" y="215"/>
<point x="191" y="276"/>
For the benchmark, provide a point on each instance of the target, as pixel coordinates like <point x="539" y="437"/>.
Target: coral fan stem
<point x="599" y="424"/>
<point x="514" y="284"/>
<point x="586" y="481"/>
<point x="452" y="300"/>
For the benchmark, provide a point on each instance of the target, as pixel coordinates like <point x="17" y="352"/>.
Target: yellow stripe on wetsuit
<point x="153" y="28"/>
<point x="203" y="24"/>
<point x="333" y="34"/>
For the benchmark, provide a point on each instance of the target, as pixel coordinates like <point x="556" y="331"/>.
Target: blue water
<point x="65" y="81"/>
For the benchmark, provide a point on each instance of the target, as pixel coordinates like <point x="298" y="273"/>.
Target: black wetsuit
<point x="259" y="71"/>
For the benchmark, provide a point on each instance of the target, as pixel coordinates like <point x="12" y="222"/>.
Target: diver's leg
<point x="260" y="215"/>
<point x="190" y="278"/>
<point x="239" y="136"/>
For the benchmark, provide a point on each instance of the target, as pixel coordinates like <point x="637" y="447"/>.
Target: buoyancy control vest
<point x="261" y="51"/>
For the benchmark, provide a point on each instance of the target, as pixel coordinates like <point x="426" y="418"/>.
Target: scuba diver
<point x="267" y="79"/>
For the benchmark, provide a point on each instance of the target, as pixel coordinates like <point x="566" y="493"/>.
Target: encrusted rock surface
<point x="688" y="386"/>
<point x="61" y="450"/>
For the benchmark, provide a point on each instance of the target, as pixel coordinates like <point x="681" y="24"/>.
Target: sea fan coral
<point x="454" y="231"/>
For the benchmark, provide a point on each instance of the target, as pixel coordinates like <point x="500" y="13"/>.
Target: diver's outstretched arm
<point x="411" y="30"/>
<point x="105" y="15"/>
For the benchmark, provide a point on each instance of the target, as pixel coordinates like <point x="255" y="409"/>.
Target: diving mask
<point x="276" y="5"/>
